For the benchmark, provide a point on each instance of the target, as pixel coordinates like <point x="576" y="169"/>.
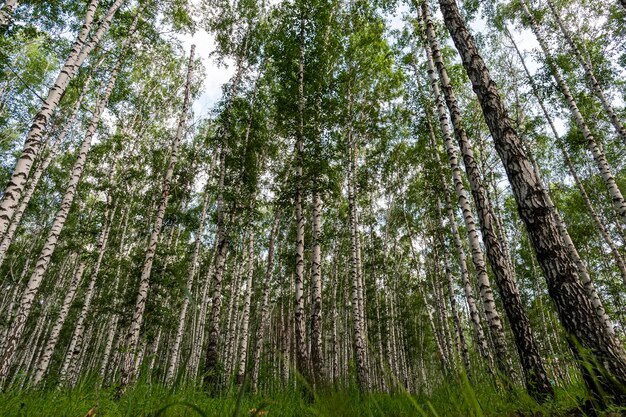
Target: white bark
<point x="173" y="364"/>
<point x="58" y="325"/>
<point x="128" y="365"/>
<point x="245" y="325"/>
<point x="80" y="50"/>
<point x="17" y="327"/>
<point x="594" y="146"/>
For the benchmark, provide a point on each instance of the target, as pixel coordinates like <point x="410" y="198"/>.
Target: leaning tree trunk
<point x="132" y="339"/>
<point x="42" y="167"/>
<point x="264" y="311"/>
<point x="182" y="318"/>
<point x="594" y="146"/>
<point x="486" y="293"/>
<point x="591" y="77"/>
<point x="17" y="327"/>
<point x="589" y="341"/>
<point x="535" y="375"/>
<point x="76" y="342"/>
<point x="479" y="263"/>
<point x="80" y="50"/>
<point x="44" y="362"/>
<point x="582" y="269"/>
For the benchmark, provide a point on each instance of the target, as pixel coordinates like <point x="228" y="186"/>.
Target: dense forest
<point x="393" y="208"/>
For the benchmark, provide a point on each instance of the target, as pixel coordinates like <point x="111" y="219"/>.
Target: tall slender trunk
<point x="486" y="292"/>
<point x="302" y="357"/>
<point x="575" y="310"/>
<point x="175" y="350"/>
<point x="132" y="338"/>
<point x="317" y="358"/>
<point x="42" y="167"/>
<point x="591" y="77"/>
<point x="582" y="269"/>
<point x="360" y="343"/>
<point x="262" y="326"/>
<point x="83" y="45"/>
<point x="245" y="315"/>
<point x="535" y="374"/>
<point x="17" y="327"/>
<point x="76" y="342"/>
<point x="42" y="367"/>
<point x="594" y="146"/>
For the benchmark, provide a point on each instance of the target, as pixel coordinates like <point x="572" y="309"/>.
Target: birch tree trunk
<point x="42" y="367"/>
<point x="591" y="77"/>
<point x="535" y="375"/>
<point x="360" y="344"/>
<point x="175" y="350"/>
<point x="264" y="312"/>
<point x="486" y="292"/>
<point x="481" y="341"/>
<point x="302" y="357"/>
<point x="80" y="50"/>
<point x="39" y="171"/>
<point x="582" y="269"/>
<point x="245" y="319"/>
<point x="132" y="338"/>
<point x="317" y="357"/>
<point x="575" y="310"/>
<point x="17" y="327"/>
<point x="594" y="146"/>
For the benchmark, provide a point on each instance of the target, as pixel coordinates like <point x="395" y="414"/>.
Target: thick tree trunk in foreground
<point x="574" y="308"/>
<point x="128" y="364"/>
<point x="42" y="167"/>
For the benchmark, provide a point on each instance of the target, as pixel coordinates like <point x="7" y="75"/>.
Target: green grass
<point x="458" y="398"/>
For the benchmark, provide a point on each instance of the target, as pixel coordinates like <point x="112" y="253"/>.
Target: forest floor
<point x="157" y="401"/>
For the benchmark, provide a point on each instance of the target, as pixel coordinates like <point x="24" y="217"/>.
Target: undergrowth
<point x="457" y="398"/>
